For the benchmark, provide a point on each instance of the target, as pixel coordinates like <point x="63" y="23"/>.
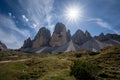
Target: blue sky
<point x="20" y="19"/>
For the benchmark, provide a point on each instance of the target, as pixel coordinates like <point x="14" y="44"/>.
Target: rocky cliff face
<point x="101" y="37"/>
<point x="27" y="43"/>
<point x="88" y="35"/>
<point x="60" y="36"/>
<point x="62" y="41"/>
<point x="2" y="46"/>
<point x="68" y="35"/>
<point x="42" y="38"/>
<point x="111" y="39"/>
<point x="113" y="36"/>
<point x="80" y="37"/>
<point x="106" y="37"/>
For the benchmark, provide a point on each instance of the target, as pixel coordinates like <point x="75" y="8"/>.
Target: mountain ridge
<point x="2" y="46"/>
<point x="62" y="40"/>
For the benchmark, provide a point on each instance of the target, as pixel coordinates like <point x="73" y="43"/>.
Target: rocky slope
<point x="70" y="46"/>
<point x="27" y="43"/>
<point x="2" y="46"/>
<point x="94" y="45"/>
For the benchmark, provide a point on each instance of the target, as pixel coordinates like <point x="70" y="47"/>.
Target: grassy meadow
<point x="74" y="65"/>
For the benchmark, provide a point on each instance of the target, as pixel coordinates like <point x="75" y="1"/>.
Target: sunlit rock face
<point x="42" y="38"/>
<point x="80" y="37"/>
<point x="59" y="36"/>
<point x="2" y="46"/>
<point x="27" y="43"/>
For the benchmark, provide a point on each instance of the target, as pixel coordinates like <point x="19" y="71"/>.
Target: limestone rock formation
<point x="2" y="46"/>
<point x="62" y="41"/>
<point x="27" y="43"/>
<point x="80" y="37"/>
<point x="113" y="36"/>
<point x="42" y="38"/>
<point x="59" y="36"/>
<point x="68" y="35"/>
<point x="88" y="35"/>
<point x="101" y="37"/>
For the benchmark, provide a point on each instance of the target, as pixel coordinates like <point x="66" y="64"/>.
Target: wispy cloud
<point x="25" y="18"/>
<point x="104" y="24"/>
<point x="10" y="33"/>
<point x="10" y="14"/>
<point x="38" y="12"/>
<point x="10" y="24"/>
<point x="10" y="40"/>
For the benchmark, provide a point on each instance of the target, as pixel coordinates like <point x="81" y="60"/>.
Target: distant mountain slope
<point x="94" y="45"/>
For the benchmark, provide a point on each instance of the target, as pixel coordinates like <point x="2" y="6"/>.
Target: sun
<point x="73" y="13"/>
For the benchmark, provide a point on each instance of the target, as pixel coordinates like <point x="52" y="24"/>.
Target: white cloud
<point x="34" y="25"/>
<point x="104" y="24"/>
<point x="11" y="38"/>
<point x="10" y="24"/>
<point x="38" y="12"/>
<point x="25" y="18"/>
<point x="10" y="14"/>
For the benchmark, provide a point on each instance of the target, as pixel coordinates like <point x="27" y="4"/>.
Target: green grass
<point x="58" y="66"/>
<point x="13" y="55"/>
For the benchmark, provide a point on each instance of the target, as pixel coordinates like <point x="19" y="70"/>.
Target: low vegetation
<point x="13" y="55"/>
<point x="74" y="65"/>
<point x="82" y="70"/>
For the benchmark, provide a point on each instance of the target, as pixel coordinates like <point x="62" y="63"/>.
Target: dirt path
<point x="21" y="60"/>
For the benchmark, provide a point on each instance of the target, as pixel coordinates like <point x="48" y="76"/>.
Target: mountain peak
<point x="2" y="46"/>
<point x="42" y="38"/>
<point x="79" y="37"/>
<point x="79" y="31"/>
<point x="88" y="35"/>
<point x="27" y="43"/>
<point x="29" y="38"/>
<point x="61" y="40"/>
<point x="59" y="36"/>
<point x="59" y="27"/>
<point x="102" y="34"/>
